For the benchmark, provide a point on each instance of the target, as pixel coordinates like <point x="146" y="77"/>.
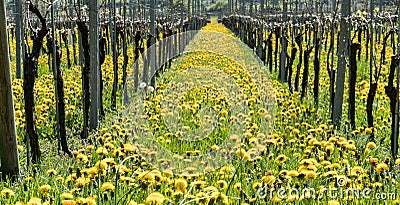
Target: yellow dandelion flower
<point x="237" y="186"/>
<point x="270" y="179"/>
<point x="181" y="185"/>
<point x="7" y="193"/>
<point x="51" y="172"/>
<point x="155" y="198"/>
<point x="368" y="131"/>
<point x="377" y="184"/>
<point x="89" y="148"/>
<point x="330" y="148"/>
<point x="28" y="179"/>
<point x="107" y="186"/>
<point x="281" y="158"/>
<point x="336" y="166"/>
<point x="67" y="196"/>
<point x="311" y="175"/>
<point x="277" y="199"/>
<point x="45" y="188"/>
<point x="290" y="198"/>
<point x="296" y="131"/>
<point x="90" y="200"/>
<point x="381" y="166"/>
<point x="128" y="147"/>
<point x="82" y="158"/>
<point x="102" y="151"/>
<point x="356" y="170"/>
<point x="367" y="151"/>
<point x="293" y="173"/>
<point x="241" y="152"/>
<point x="373" y="160"/>
<point x="102" y="165"/>
<point x="146" y="177"/>
<point x="214" y="147"/>
<point x="198" y="184"/>
<point x="222" y="184"/>
<point x="35" y="201"/>
<point x="257" y="185"/>
<point x="371" y="145"/>
<point x="177" y="194"/>
<point x="68" y="202"/>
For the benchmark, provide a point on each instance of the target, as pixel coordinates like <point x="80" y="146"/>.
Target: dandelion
<point x="222" y="184"/>
<point x="67" y="196"/>
<point x="82" y="158"/>
<point x="377" y="184"/>
<point x="276" y="199"/>
<point x="214" y="147"/>
<point x="241" y="152"/>
<point x="128" y="147"/>
<point x="155" y="198"/>
<point x="35" y="201"/>
<point x="373" y="160"/>
<point x="257" y="185"/>
<point x="281" y="158"/>
<point x="7" y="193"/>
<point x="367" y="151"/>
<point x="368" y="131"/>
<point x="371" y="145"/>
<point x="68" y="202"/>
<point x="335" y="166"/>
<point x="102" y="151"/>
<point x="150" y="88"/>
<point x="311" y="175"/>
<point x="270" y="179"/>
<point x="296" y="131"/>
<point x="381" y="166"/>
<point x="291" y="198"/>
<point x="181" y="184"/>
<point x="177" y="194"/>
<point x="60" y="179"/>
<point x="147" y="177"/>
<point x="198" y="184"/>
<point x="237" y="186"/>
<point x="142" y="85"/>
<point x="107" y="186"/>
<point x="90" y="200"/>
<point x="356" y="170"/>
<point x="293" y="173"/>
<point x="45" y="188"/>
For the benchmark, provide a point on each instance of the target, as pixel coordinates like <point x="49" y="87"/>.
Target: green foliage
<point x="219" y="5"/>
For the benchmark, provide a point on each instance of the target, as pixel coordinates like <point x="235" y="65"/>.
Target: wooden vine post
<point x="94" y="79"/>
<point x="342" y="54"/>
<point x="8" y="139"/>
<point x="282" y="64"/>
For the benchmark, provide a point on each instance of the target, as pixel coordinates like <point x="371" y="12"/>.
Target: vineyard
<point x="199" y="102"/>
